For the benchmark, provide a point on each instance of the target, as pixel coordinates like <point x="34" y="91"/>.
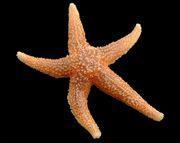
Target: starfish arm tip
<point x="20" y="55"/>
<point x="160" y="118"/>
<point x="96" y="135"/>
<point x="72" y="4"/>
<point x="138" y="27"/>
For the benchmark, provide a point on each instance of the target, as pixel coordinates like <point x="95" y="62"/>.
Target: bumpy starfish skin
<point x="87" y="66"/>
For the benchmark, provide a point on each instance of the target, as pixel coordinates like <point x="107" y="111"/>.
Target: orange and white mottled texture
<point x="78" y="93"/>
<point x="76" y="34"/>
<point x="87" y="66"/>
<point x="119" y="48"/>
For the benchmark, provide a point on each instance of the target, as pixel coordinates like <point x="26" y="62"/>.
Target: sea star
<point x="86" y="66"/>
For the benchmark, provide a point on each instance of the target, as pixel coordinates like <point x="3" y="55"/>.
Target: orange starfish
<point x="87" y="66"/>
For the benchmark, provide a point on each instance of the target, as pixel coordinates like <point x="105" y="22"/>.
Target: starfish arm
<point x="115" y="86"/>
<point x="77" y="99"/>
<point x="76" y="35"/>
<point x="117" y="49"/>
<point x="54" y="67"/>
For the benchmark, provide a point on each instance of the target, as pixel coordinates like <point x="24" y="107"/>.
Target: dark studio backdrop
<point x="39" y="110"/>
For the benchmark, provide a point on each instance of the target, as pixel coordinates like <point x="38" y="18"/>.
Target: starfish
<point x="86" y="66"/>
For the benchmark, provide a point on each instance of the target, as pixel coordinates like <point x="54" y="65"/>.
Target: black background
<point x="37" y="108"/>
